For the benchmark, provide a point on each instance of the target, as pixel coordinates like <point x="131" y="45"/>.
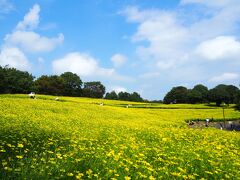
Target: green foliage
<point x="233" y="92"/>
<point x="238" y="100"/>
<point x="124" y="96"/>
<point x="112" y="95"/>
<point x="2" y="80"/>
<point x="15" y="81"/>
<point x="203" y="91"/>
<point x="199" y="94"/>
<point x="72" y="84"/>
<point x="52" y="85"/>
<point x="135" y="97"/>
<point x="93" y="89"/>
<point x="176" y="95"/>
<point x="67" y="84"/>
<point x="223" y="93"/>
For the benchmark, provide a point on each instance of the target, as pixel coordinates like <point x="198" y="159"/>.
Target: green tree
<point x="199" y="94"/>
<point x="203" y="90"/>
<point x="72" y="84"/>
<point x="2" y="80"/>
<point x="15" y="81"/>
<point x="219" y="94"/>
<point x="135" y="97"/>
<point x="176" y="95"/>
<point x="233" y="93"/>
<point x="238" y="100"/>
<point x="93" y="89"/>
<point x="194" y="96"/>
<point x="124" y="96"/>
<point x="112" y="95"/>
<point x="52" y="85"/>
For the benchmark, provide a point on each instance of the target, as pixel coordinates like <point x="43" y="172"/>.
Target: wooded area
<point x="70" y="84"/>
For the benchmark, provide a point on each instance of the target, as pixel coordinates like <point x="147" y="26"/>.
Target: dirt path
<point x="227" y="125"/>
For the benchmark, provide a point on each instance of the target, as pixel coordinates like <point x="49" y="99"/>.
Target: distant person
<point x="191" y="123"/>
<point x="32" y="95"/>
<point x="221" y="126"/>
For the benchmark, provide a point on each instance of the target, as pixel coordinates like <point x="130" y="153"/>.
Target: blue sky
<point x="146" y="46"/>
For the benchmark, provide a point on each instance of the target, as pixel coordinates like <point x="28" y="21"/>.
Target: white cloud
<point x="24" y="38"/>
<point x="134" y="15"/>
<point x="219" y="48"/>
<point x="81" y="63"/>
<point x="172" y="37"/>
<point x="14" y="57"/>
<point x="224" y="77"/>
<point x="33" y="42"/>
<point x="31" y="19"/>
<point x="165" y="35"/>
<point x="6" y="6"/>
<point x="179" y="41"/>
<point x="118" y="60"/>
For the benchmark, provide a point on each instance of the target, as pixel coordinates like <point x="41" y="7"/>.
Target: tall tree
<point x="199" y="94"/>
<point x="194" y="96"/>
<point x="135" y="97"/>
<point x="112" y="95"/>
<point x="124" y="96"/>
<point x="93" y="89"/>
<point x="52" y="85"/>
<point x="219" y="94"/>
<point x="233" y="93"/>
<point x="203" y="90"/>
<point x="72" y="84"/>
<point x="238" y="100"/>
<point x="2" y="80"/>
<point x="15" y="81"/>
<point x="176" y="95"/>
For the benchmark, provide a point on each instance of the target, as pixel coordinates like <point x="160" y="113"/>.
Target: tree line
<point x="67" y="84"/>
<point x="70" y="84"/>
<point x="222" y="93"/>
<point x="14" y="81"/>
<point x="124" y="96"/>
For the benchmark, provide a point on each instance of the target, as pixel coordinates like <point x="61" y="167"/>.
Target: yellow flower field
<point x="76" y="138"/>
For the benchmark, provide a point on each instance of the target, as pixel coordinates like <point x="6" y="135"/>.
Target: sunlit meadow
<point x="77" y="138"/>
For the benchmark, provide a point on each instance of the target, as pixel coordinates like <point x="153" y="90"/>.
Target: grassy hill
<point x="76" y="138"/>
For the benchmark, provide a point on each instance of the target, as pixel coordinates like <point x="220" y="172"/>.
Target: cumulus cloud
<point x="165" y="35"/>
<point x="33" y="42"/>
<point x="23" y="40"/>
<point x="14" y="57"/>
<point x="172" y="41"/>
<point x="221" y="47"/>
<point x="26" y="39"/>
<point x="30" y="20"/>
<point x="80" y="63"/>
<point x="184" y="45"/>
<point x="224" y="77"/>
<point x="118" y="60"/>
<point x="171" y="36"/>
